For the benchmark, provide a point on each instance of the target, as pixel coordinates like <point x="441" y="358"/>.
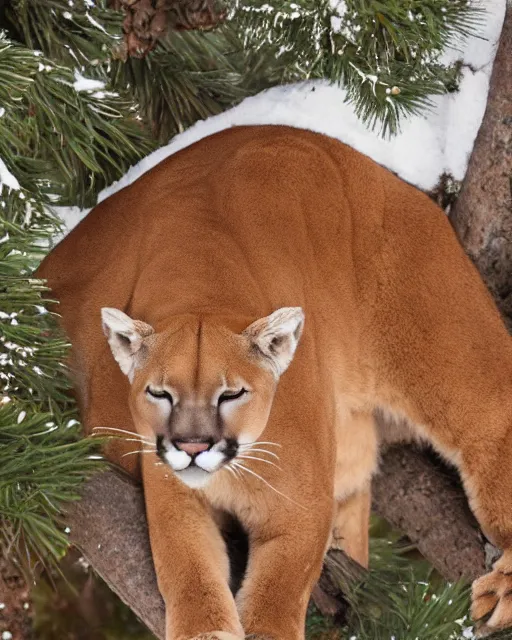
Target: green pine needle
<point x="43" y="461"/>
<point x="402" y="598"/>
<point x="188" y="77"/>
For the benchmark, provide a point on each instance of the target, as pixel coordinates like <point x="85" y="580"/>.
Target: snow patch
<point x="7" y="179"/>
<point x="86" y="84"/>
<point x="95" y="23"/>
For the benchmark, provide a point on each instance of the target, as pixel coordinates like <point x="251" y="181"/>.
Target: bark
<point x="482" y="216"/>
<point x="109" y="526"/>
<point x="419" y="497"/>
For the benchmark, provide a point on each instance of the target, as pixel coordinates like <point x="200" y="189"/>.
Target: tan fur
<point x="350" y="526"/>
<point x="220" y="235"/>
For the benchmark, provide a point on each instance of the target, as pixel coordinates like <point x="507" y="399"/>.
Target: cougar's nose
<point x="192" y="447"/>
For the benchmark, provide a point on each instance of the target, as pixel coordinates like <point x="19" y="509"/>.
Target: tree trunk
<point x="482" y="216"/>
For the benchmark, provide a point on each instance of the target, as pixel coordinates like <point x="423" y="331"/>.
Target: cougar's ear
<point x="125" y="337"/>
<point x="276" y="337"/>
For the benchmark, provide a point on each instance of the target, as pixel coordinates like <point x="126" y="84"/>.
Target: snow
<point x="95" y="23"/>
<point x="427" y="146"/>
<point x="86" y="84"/>
<point x="7" y="179"/>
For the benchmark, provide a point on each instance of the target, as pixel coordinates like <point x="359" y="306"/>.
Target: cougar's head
<point x="201" y="391"/>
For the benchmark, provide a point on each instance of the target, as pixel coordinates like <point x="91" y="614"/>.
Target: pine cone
<point x="147" y="20"/>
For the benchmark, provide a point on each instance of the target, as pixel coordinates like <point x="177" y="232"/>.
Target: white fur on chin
<point x="194" y="477"/>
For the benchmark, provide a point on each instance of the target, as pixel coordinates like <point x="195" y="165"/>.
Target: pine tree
<point x="89" y="87"/>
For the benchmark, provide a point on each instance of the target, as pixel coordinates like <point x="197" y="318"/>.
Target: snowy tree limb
<point x="109" y="526"/>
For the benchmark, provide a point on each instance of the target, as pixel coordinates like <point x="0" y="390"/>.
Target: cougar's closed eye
<point x="159" y="394"/>
<point x="231" y="395"/>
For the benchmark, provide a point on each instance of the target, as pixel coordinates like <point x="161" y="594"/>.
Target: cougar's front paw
<point x="491" y="601"/>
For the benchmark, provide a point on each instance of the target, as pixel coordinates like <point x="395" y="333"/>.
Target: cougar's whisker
<point x="250" y="444"/>
<point x="237" y="473"/>
<point x="244" y="457"/>
<point x="230" y="465"/>
<point x="244" y="468"/>
<point x="251" y="449"/>
<point x="231" y="470"/>
<point x="132" y="434"/>
<point x="137" y="440"/>
<point x="131" y="453"/>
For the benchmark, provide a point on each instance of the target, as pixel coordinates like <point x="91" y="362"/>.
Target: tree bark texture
<point x="422" y="499"/>
<point x="109" y="526"/>
<point x="482" y="216"/>
<point x="412" y="492"/>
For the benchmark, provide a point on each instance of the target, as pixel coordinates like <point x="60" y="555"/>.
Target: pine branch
<point x="80" y="34"/>
<point x="61" y="143"/>
<point x="42" y="464"/>
<point x="188" y="77"/>
<point x="58" y="144"/>
<point x="399" y="596"/>
<point x="386" y="54"/>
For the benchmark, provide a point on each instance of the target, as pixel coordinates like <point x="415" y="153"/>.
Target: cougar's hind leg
<point x="356" y="462"/>
<point x="350" y="527"/>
